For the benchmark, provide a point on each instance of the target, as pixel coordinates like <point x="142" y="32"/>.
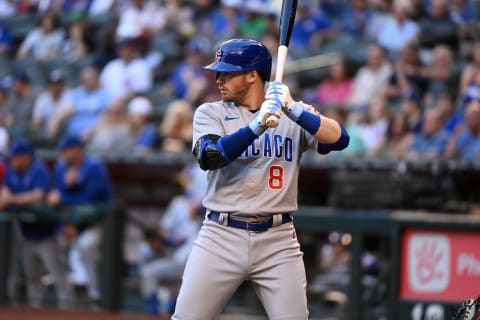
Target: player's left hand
<point x="280" y="92"/>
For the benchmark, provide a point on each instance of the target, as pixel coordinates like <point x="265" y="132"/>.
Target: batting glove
<point x="269" y="107"/>
<point x="279" y="92"/>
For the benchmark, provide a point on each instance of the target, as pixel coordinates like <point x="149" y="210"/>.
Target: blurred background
<point x="388" y="226"/>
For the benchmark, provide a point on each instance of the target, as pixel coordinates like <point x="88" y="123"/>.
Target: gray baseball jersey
<point x="263" y="180"/>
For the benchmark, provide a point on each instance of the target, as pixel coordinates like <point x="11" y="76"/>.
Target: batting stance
<point x="248" y="232"/>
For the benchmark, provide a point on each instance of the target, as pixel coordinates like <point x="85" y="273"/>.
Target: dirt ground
<point x="7" y="313"/>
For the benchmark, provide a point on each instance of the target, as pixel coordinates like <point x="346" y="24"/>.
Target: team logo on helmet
<point x="218" y="55"/>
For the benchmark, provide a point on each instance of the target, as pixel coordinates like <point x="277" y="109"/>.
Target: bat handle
<point x="272" y="120"/>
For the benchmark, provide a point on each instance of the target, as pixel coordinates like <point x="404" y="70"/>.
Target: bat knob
<point x="272" y="121"/>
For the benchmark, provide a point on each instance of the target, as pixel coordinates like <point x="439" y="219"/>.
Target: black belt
<point x="250" y="226"/>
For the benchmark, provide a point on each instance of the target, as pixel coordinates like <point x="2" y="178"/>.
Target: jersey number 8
<point x="275" y="180"/>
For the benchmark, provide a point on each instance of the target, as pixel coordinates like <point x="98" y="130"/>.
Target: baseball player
<point x="251" y="194"/>
<point x="26" y="183"/>
<point x="82" y="180"/>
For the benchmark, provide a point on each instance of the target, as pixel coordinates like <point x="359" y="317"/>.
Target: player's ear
<point x="252" y="76"/>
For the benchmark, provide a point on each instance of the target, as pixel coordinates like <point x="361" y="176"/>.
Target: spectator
<point x="447" y="104"/>
<point x="371" y="78"/>
<point x="142" y="134"/>
<point x="128" y="74"/>
<point x="430" y="143"/>
<point x="45" y="42"/>
<point x="111" y="131"/>
<point x="48" y="103"/>
<point x="100" y="7"/>
<point x="20" y="105"/>
<point x="226" y="20"/>
<point x="394" y="144"/>
<point x="4" y="139"/>
<point x="7" y="8"/>
<point x="88" y="101"/>
<point x="374" y="128"/>
<point x="27" y="183"/>
<point x="465" y="145"/>
<point x="176" y="128"/>
<point x="469" y="72"/>
<point x="188" y="79"/>
<point x="172" y="240"/>
<point x="311" y="30"/>
<point x="82" y="180"/>
<point x="356" y="18"/>
<point x="441" y="74"/>
<point x="397" y="30"/>
<point x="407" y="76"/>
<point x="254" y="24"/>
<point x="78" y="44"/>
<point x="146" y="17"/>
<point x="335" y="91"/>
<point x="438" y="27"/>
<point x="5" y="40"/>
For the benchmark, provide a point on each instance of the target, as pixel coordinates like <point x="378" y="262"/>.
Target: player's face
<point x="233" y="86"/>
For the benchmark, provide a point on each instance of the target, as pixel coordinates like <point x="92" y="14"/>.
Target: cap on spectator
<point x="56" y="76"/>
<point x="70" y="141"/>
<point x="21" y="76"/>
<point x="20" y="147"/>
<point x="140" y="105"/>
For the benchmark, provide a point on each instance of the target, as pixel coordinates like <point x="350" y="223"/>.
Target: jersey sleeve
<point x="206" y="121"/>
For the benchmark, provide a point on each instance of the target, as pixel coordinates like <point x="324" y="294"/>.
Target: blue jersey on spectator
<point x="305" y="29"/>
<point x="37" y="177"/>
<point x="88" y="106"/>
<point x="5" y="36"/>
<point x="468" y="145"/>
<point x="147" y="136"/>
<point x="434" y="143"/>
<point x="93" y="186"/>
<point x="355" y="22"/>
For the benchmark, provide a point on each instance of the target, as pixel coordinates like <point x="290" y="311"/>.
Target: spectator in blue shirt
<point x="310" y="30"/>
<point x="465" y="145"/>
<point x="82" y="180"/>
<point x="88" y="102"/>
<point x="431" y="142"/>
<point x="355" y="18"/>
<point x="26" y="183"/>
<point x="5" y="40"/>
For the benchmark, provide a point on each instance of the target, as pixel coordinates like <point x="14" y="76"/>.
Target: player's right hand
<point x="279" y="91"/>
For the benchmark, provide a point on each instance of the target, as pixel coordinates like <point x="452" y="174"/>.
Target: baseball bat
<point x="287" y="19"/>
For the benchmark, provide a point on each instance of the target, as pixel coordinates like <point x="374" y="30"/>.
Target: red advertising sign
<point x="440" y="266"/>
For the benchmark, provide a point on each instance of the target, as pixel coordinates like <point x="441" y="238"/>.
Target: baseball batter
<point x="248" y="232"/>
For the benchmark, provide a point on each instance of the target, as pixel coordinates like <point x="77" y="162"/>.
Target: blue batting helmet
<point x="242" y="55"/>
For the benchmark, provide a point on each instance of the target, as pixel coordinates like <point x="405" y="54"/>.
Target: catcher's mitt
<point x="469" y="310"/>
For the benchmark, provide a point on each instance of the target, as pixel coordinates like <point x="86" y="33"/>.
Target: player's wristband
<point x="295" y="111"/>
<point x="256" y="126"/>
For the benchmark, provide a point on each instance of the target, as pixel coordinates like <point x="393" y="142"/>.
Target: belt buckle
<point x="255" y="222"/>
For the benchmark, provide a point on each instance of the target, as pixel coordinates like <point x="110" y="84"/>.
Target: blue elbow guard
<point x="342" y="143"/>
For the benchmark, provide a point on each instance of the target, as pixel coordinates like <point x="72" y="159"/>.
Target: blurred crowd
<point x="406" y="82"/>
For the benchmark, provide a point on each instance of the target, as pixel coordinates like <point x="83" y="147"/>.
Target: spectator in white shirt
<point x="45" y="42"/>
<point x="398" y="30"/>
<point x="144" y="15"/>
<point x="371" y="79"/>
<point x="128" y="74"/>
<point x="49" y="102"/>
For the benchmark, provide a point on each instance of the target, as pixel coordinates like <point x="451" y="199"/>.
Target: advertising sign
<point x="440" y="266"/>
